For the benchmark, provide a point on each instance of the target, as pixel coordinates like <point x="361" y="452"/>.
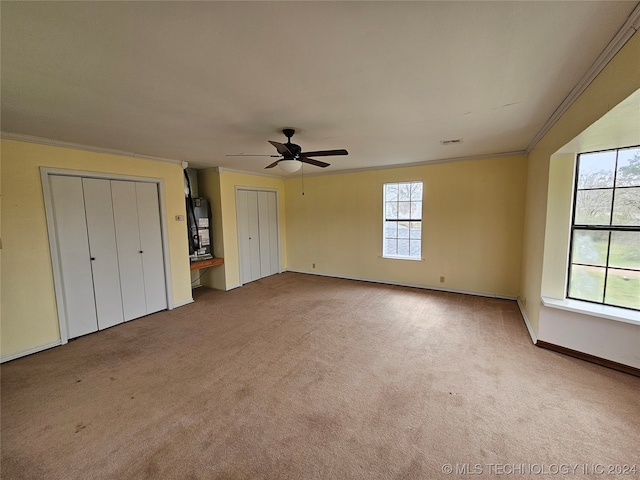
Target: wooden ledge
<point x="211" y="262"/>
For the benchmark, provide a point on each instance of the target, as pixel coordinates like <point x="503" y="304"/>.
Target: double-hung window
<point x="604" y="263"/>
<point x="402" y="237"/>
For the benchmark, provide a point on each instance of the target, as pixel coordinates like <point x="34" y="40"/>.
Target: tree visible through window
<point x="402" y="220"/>
<point x="605" y="240"/>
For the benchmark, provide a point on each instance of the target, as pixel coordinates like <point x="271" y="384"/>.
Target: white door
<point x="125" y="214"/>
<point x="104" y="255"/>
<point x="72" y="244"/>
<point x="258" y="234"/>
<point x="151" y="245"/>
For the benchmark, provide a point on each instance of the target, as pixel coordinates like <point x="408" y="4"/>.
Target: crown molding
<point x="78" y="146"/>
<point x="415" y="164"/>
<point x="628" y="29"/>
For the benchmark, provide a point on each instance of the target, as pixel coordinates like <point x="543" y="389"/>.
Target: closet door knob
<point x="140" y="251"/>
<point x="93" y="258"/>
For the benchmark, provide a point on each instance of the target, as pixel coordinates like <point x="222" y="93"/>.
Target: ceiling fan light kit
<point x="289" y="166"/>
<point x="292" y="155"/>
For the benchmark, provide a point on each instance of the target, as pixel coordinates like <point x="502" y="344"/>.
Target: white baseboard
<point x="424" y="287"/>
<point x="182" y="304"/>
<point x="526" y="322"/>
<point x="24" y="353"/>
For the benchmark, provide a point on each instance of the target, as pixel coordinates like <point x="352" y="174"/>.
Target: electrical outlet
<point x="179" y="218"/>
<point x="441" y="279"/>
<point x="313" y="265"/>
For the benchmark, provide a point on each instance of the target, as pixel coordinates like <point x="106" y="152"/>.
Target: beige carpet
<point x="299" y="376"/>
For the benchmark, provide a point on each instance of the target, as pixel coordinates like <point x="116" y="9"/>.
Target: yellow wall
<point x="29" y="316"/>
<point x="472" y="225"/>
<point x="619" y="79"/>
<point x="220" y="187"/>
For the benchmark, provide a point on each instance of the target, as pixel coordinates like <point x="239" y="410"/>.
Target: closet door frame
<point x="256" y="189"/>
<point x="56" y="267"/>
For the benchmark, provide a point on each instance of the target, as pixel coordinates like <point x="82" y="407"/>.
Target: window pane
<point x="625" y="250"/>
<point x="628" y="168"/>
<point x="403" y="247"/>
<point x="403" y="229"/>
<point x="391" y="192"/>
<point x="626" y="206"/>
<point x="416" y="229"/>
<point x="623" y="288"/>
<point x="416" y="192"/>
<point x="404" y="210"/>
<point x="589" y="247"/>
<point x="414" y="248"/>
<point x="390" y="229"/>
<point x="593" y="207"/>
<point x="587" y="283"/>
<point x="595" y="170"/>
<point x="392" y="210"/>
<point x="404" y="192"/>
<point x="390" y="247"/>
<point x="416" y="210"/>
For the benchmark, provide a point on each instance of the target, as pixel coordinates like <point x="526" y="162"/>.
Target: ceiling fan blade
<point x="311" y="161"/>
<point x="326" y="153"/>
<point x="281" y="147"/>
<point x="272" y="165"/>
<point x="248" y="155"/>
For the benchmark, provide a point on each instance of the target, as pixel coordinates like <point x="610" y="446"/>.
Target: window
<point x="604" y="265"/>
<point x="402" y="236"/>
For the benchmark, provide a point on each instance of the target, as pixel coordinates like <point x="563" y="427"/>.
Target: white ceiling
<point x="386" y="80"/>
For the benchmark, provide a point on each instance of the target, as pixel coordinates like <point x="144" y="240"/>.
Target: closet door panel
<point x="254" y="234"/>
<point x="242" y="214"/>
<point x="151" y="246"/>
<point x="73" y="253"/>
<point x="125" y="212"/>
<point x="273" y="233"/>
<point x="265" y="237"/>
<point x="102" y="246"/>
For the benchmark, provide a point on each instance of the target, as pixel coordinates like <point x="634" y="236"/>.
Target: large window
<point x="402" y="220"/>
<point x="604" y="264"/>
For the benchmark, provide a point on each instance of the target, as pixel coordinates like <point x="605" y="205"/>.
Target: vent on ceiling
<point x="451" y="142"/>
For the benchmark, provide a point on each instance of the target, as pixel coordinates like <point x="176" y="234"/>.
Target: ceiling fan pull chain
<point x="302" y="173"/>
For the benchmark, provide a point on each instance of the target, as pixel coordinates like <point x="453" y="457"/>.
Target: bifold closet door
<point x="104" y="255"/>
<point x="151" y="245"/>
<point x="72" y="243"/>
<point x="258" y="234"/>
<point x="125" y="214"/>
<point x="136" y="211"/>
<point x="247" y="206"/>
<point x="268" y="225"/>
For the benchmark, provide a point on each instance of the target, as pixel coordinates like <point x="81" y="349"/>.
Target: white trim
<point x="53" y="246"/>
<point x="627" y="31"/>
<point x="183" y="303"/>
<point x="78" y="146"/>
<point x="237" y="285"/>
<point x="24" y="353"/>
<point x="390" y="257"/>
<point x="534" y="338"/>
<point x="594" y="309"/>
<point x="412" y="285"/>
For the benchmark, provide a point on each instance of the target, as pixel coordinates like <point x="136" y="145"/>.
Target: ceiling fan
<point x="293" y="157"/>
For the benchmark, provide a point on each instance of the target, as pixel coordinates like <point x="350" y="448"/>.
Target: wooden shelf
<point x="211" y="262"/>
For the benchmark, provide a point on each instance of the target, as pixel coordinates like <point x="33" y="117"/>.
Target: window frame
<point x="610" y="229"/>
<point x="398" y="220"/>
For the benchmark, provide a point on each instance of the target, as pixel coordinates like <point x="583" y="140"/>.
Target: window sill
<point x="390" y="257"/>
<point x="586" y="308"/>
